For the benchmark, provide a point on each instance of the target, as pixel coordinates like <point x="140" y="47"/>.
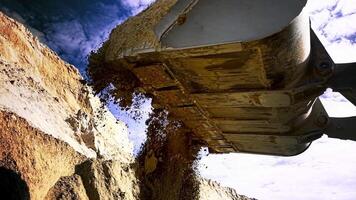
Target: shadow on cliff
<point x="12" y="187"/>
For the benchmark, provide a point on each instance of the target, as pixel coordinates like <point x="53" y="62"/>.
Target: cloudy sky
<point x="327" y="170"/>
<point x="72" y="28"/>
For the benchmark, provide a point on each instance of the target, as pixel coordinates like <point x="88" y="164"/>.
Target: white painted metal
<point x="222" y="21"/>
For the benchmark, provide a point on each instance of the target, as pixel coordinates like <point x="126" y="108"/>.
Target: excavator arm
<point x="240" y="75"/>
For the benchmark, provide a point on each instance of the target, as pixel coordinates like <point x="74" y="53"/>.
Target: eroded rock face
<point x="212" y="190"/>
<point x="34" y="165"/>
<point x="105" y="180"/>
<point x="49" y="93"/>
<point x="40" y="160"/>
<point x="49" y="121"/>
<point x="68" y="188"/>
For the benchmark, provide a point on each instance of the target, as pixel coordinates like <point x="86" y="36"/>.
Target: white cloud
<point x="347" y="7"/>
<point x="342" y="51"/>
<point x="340" y="27"/>
<point x="137" y="6"/>
<point x="334" y="23"/>
<point x="337" y="105"/>
<point x="326" y="171"/>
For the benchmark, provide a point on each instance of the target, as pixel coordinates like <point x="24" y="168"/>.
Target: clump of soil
<point x="166" y="162"/>
<point x="111" y="80"/>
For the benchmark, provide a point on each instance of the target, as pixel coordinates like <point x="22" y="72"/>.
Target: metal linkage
<point x="342" y="128"/>
<point x="339" y="77"/>
<point x="344" y="80"/>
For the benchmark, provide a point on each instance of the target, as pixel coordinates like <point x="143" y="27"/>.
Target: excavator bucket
<point x="241" y="75"/>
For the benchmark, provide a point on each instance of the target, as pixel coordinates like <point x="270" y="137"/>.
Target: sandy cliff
<point x="51" y="123"/>
<point x="38" y="86"/>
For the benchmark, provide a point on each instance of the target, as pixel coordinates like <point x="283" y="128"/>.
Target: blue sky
<point x="72" y="28"/>
<point x="334" y="22"/>
<point x="327" y="170"/>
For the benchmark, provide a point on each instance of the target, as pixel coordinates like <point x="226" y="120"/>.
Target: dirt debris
<point x="167" y="159"/>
